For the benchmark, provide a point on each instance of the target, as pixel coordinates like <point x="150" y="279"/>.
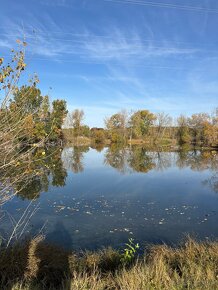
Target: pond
<point x="89" y="198"/>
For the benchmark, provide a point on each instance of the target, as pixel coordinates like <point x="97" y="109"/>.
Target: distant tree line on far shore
<point x="143" y="126"/>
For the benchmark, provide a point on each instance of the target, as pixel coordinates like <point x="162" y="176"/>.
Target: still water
<point x="89" y="198"/>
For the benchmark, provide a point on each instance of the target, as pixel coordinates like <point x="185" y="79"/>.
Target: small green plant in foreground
<point x="129" y="252"/>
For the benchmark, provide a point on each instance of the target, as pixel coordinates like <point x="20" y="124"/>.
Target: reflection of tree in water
<point x="116" y="157"/>
<point x="32" y="189"/>
<point x="98" y="146"/>
<point x="50" y="166"/>
<point x="182" y="157"/>
<point x="163" y="160"/>
<point x="76" y="161"/>
<point x="73" y="158"/>
<point x="41" y="171"/>
<point x="125" y="159"/>
<point x="58" y="173"/>
<point x="212" y="182"/>
<point x="139" y="160"/>
<point x="198" y="160"/>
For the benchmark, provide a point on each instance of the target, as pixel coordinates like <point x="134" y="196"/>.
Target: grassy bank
<point x="37" y="265"/>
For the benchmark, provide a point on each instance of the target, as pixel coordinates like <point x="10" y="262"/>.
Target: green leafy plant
<point x="129" y="253"/>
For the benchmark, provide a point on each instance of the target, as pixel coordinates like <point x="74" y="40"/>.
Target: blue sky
<point x="106" y="55"/>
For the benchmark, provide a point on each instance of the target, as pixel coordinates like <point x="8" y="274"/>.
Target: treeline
<point x="145" y="127"/>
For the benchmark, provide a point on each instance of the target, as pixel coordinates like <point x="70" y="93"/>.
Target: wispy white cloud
<point x="122" y="47"/>
<point x="40" y="38"/>
<point x="114" y="45"/>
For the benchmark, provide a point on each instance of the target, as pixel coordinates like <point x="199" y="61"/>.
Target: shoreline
<point x="35" y="264"/>
<point x="90" y="142"/>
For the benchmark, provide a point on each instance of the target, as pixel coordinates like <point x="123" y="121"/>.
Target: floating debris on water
<point x="60" y="207"/>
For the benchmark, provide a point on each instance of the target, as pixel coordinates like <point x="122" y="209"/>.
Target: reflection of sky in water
<point x="108" y="201"/>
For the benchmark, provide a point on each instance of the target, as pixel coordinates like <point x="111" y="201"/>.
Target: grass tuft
<point x="37" y="265"/>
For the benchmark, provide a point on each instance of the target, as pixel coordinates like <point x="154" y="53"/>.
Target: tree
<point x="85" y="131"/>
<point x="39" y="123"/>
<point x="98" y="134"/>
<point x="58" y="114"/>
<point x="75" y="121"/>
<point x="44" y="125"/>
<point x="141" y="121"/>
<point x="196" y="123"/>
<point x="209" y="134"/>
<point x="215" y="117"/>
<point x="45" y="108"/>
<point x="183" y="133"/>
<point x="28" y="98"/>
<point x="117" y="125"/>
<point x="162" y="121"/>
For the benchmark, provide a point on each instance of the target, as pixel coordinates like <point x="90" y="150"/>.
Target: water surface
<point x="90" y="198"/>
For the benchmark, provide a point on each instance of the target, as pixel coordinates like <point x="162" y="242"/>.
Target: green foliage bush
<point x="129" y="253"/>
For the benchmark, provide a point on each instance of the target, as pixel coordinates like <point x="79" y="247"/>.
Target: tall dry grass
<point x="38" y="265"/>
